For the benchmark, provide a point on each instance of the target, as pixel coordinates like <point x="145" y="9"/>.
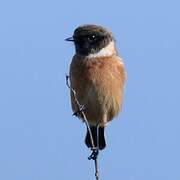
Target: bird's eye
<point x="91" y="38"/>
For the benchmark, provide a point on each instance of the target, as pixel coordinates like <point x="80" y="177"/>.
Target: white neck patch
<point x="107" y="51"/>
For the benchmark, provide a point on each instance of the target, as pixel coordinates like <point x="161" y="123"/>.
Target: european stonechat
<point x="97" y="75"/>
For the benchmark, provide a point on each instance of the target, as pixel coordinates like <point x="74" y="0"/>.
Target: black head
<point x="90" y="39"/>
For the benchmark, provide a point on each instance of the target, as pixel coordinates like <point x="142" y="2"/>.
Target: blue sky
<point x="39" y="138"/>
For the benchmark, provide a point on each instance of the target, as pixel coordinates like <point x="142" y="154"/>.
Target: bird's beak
<point x="69" y="39"/>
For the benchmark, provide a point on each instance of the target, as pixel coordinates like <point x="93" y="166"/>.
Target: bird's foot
<point x="94" y="154"/>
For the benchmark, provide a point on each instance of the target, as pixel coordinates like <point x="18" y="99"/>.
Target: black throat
<point x="84" y="46"/>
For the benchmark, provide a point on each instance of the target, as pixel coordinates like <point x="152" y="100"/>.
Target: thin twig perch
<point x="80" y="110"/>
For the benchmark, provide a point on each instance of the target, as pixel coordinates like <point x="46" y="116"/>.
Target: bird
<point x="97" y="74"/>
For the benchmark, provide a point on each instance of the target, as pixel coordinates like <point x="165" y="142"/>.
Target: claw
<point x="94" y="154"/>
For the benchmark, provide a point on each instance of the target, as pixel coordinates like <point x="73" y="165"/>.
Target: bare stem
<point x="81" y="111"/>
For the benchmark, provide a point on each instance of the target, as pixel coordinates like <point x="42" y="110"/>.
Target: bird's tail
<point x="98" y="137"/>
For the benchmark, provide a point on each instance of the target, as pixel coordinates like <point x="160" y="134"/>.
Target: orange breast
<point x="99" y="85"/>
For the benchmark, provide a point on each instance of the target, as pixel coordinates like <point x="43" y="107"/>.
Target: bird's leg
<point x="94" y="154"/>
<point x="95" y="150"/>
